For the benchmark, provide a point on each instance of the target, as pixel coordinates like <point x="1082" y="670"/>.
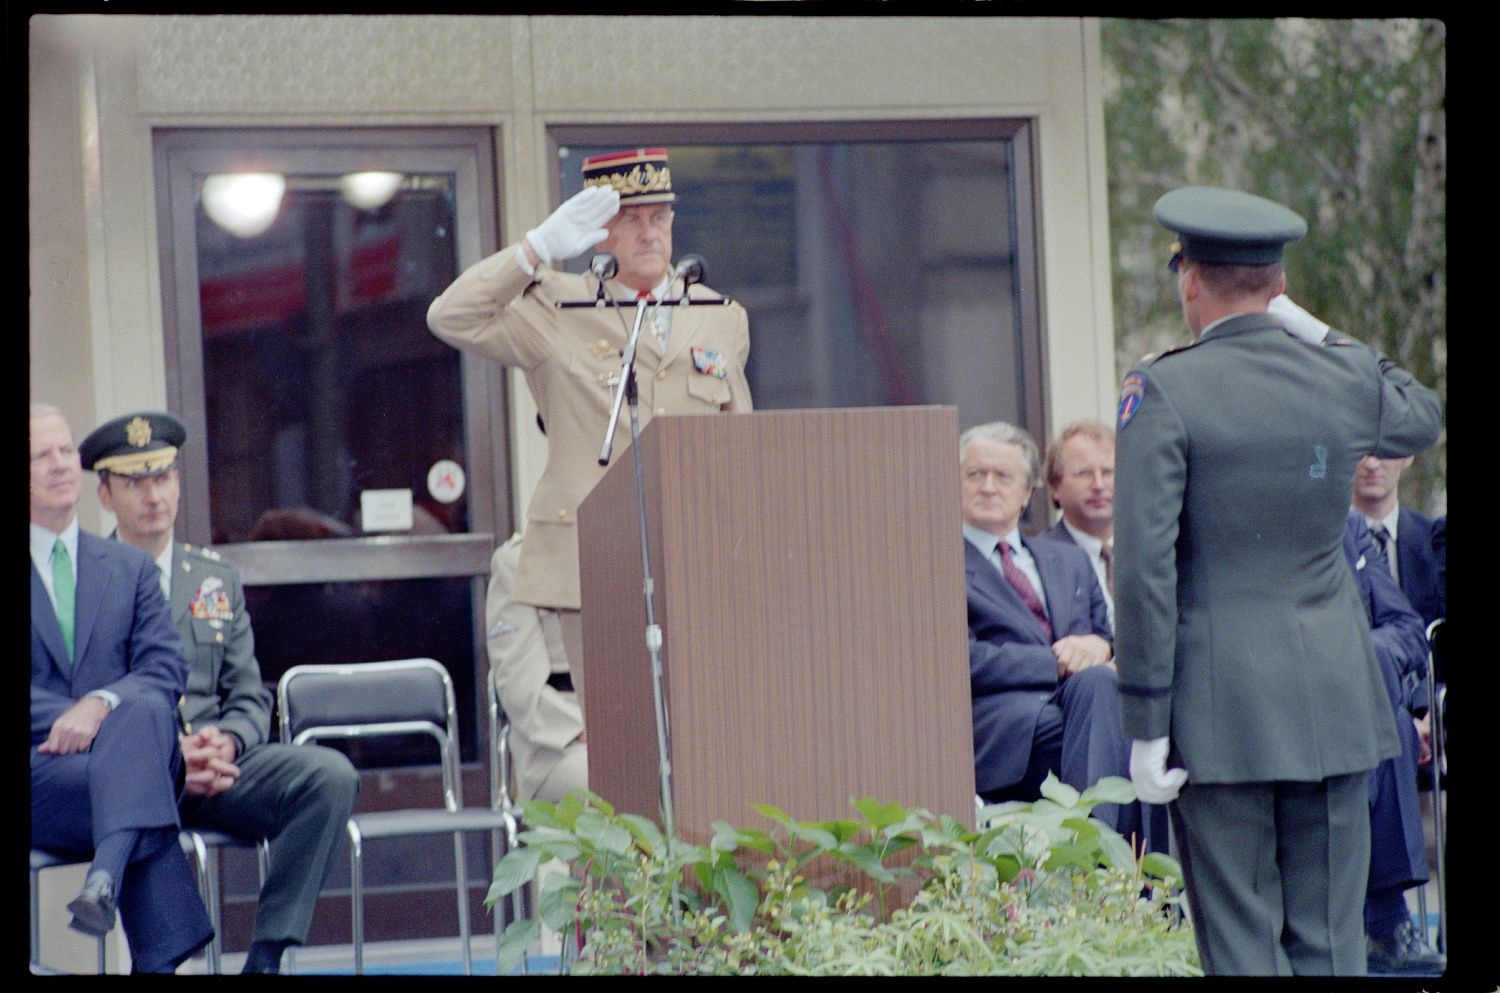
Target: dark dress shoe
<point x="1403" y="952"/>
<point x="93" y="908"/>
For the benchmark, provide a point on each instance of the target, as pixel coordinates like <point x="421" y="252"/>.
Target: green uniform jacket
<point x="1239" y="629"/>
<point x="571" y="358"/>
<point x="224" y="686"/>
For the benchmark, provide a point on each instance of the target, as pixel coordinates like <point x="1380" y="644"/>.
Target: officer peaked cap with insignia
<point x="640" y="175"/>
<point x="140" y="444"/>
<point x="1226" y="226"/>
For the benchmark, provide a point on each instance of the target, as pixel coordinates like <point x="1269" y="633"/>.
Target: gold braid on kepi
<point x="140" y="444"/>
<point x="640" y="176"/>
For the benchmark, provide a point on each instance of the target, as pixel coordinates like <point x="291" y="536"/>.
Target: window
<point x="346" y="460"/>
<point x="880" y="263"/>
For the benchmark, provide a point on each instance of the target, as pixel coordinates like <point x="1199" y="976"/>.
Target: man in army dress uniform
<point x="1245" y="662"/>
<point x="238" y="781"/>
<point x="689" y="359"/>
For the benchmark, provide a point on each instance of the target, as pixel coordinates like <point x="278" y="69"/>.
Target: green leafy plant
<point x="1038" y="889"/>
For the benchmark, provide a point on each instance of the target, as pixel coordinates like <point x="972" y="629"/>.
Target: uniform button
<point x="660" y="411"/>
<point x="562" y="513"/>
<point x="601" y="377"/>
<point x="603" y="343"/>
<point x="219" y="637"/>
<point x="661" y="374"/>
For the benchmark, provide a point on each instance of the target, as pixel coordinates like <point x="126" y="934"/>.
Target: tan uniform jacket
<point x="571" y="359"/>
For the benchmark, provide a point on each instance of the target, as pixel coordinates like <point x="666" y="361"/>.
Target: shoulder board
<point x="1332" y="340"/>
<point x="201" y="552"/>
<point x="1154" y="357"/>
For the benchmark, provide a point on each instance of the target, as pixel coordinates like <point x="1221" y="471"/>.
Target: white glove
<point x="576" y="226"/>
<point x="1154" y="782"/>
<point x="1299" y="322"/>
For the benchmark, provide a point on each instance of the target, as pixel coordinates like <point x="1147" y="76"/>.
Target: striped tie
<point x="62" y="590"/>
<point x="1023" y="587"/>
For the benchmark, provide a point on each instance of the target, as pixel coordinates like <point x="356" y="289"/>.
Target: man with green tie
<point x="106" y="672"/>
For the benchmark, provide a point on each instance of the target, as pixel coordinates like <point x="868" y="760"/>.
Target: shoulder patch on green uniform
<point x="1132" y="392"/>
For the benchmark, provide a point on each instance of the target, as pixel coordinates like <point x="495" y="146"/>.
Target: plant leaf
<point x="740" y="896"/>
<point x="515" y="870"/>
<point x="557" y="904"/>
<point x="1059" y="792"/>
<point x="1110" y="789"/>
<point x="514" y="942"/>
<point x="643" y="830"/>
<point x="609" y="835"/>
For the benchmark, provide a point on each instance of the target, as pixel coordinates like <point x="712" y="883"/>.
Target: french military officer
<point x="691" y="360"/>
<point x="1247" y="678"/>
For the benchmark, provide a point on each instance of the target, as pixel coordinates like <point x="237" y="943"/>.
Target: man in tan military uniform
<point x="689" y="360"/>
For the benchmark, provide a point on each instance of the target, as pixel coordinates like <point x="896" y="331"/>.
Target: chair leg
<point x="208" y="889"/>
<point x="356" y="898"/>
<point x="36" y="919"/>
<point x="461" y="869"/>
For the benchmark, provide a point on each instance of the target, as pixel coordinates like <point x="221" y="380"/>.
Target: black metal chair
<point x="1435" y="781"/>
<point x="500" y="795"/>
<point x="42" y="860"/>
<point x="203" y="846"/>
<point x="400" y="697"/>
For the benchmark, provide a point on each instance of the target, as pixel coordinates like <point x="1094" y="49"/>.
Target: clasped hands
<point x="1076" y="652"/>
<point x="209" y="755"/>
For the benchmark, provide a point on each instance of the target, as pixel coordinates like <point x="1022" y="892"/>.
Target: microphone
<point x="690" y="270"/>
<point x="603" y="266"/>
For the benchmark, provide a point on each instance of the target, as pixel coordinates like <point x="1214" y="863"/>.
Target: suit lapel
<point x="1412" y="544"/>
<point x="1056" y="597"/>
<point x="94" y="575"/>
<point x="988" y="582"/>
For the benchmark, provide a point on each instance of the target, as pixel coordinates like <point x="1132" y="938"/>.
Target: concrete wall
<point x="99" y="84"/>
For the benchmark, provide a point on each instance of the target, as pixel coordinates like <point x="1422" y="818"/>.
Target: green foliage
<point x="1341" y="120"/>
<point x="1038" y="889"/>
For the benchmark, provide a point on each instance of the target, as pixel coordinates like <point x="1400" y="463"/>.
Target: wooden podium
<point x="809" y="578"/>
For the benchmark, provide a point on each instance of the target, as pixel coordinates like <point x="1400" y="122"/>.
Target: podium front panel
<point x="808" y="571"/>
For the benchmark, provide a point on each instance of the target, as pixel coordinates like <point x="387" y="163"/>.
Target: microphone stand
<point x="627" y="391"/>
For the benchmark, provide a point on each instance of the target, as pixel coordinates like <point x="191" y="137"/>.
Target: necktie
<point x="1107" y="553"/>
<point x="1382" y="545"/>
<point x="62" y="589"/>
<point x="1023" y="587"/>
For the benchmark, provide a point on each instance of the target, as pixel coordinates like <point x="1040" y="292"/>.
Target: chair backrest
<point x="1436" y="637"/>
<point x="369" y="699"/>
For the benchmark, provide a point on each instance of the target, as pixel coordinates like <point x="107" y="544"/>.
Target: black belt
<point x="561" y="681"/>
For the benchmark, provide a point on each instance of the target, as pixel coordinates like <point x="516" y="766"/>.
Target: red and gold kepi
<point x="640" y="175"/>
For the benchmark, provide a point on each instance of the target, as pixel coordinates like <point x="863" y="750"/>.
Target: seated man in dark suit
<point x="1413" y="546"/>
<point x="1041" y="667"/>
<point x="1398" y="851"/>
<point x="106" y="672"/>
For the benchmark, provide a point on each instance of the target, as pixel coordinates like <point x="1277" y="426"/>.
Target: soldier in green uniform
<point x="1247" y="678"/>
<point x="238" y="781"/>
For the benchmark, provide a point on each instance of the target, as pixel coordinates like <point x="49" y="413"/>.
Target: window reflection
<point x="321" y="378"/>
<point x="875" y="273"/>
<point x="350" y="623"/>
